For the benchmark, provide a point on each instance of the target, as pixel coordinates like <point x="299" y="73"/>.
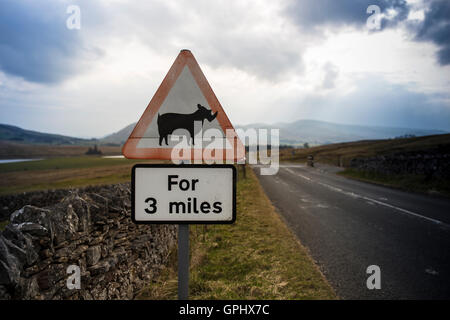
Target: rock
<point x="65" y="222"/>
<point x="28" y="288"/>
<point x="10" y="265"/>
<point x="33" y="229"/>
<point x="78" y="251"/>
<point x="8" y="248"/>
<point x="46" y="253"/>
<point x="63" y="252"/>
<point x="4" y="294"/>
<point x="93" y="255"/>
<point x="99" y="268"/>
<point x="31" y="214"/>
<point x="43" y="280"/>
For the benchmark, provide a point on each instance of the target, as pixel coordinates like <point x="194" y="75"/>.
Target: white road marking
<point x="292" y="165"/>
<point x="298" y="174"/>
<point x="432" y="272"/>
<point x="355" y="195"/>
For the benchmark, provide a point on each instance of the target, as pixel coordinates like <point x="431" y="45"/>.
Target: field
<point x="14" y="150"/>
<point x="255" y="258"/>
<point x="340" y="154"/>
<point x="59" y="173"/>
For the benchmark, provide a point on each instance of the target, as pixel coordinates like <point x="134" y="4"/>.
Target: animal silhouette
<point x="169" y="122"/>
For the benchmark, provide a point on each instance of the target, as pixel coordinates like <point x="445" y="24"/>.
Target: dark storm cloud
<point x="376" y="101"/>
<point x="436" y="28"/>
<point x="312" y="14"/>
<point x="35" y="43"/>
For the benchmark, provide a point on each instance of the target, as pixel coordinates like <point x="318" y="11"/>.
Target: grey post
<point x="183" y="259"/>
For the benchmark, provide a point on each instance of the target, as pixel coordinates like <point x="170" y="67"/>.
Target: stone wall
<point x="13" y="202"/>
<point x="90" y="228"/>
<point x="432" y="165"/>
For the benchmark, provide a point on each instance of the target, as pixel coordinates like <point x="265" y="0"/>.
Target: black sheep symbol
<point x="169" y="122"/>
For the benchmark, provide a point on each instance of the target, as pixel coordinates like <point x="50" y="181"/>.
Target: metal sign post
<point x="183" y="258"/>
<point x="183" y="261"/>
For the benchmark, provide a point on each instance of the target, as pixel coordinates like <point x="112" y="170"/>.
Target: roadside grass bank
<point x="412" y="183"/>
<point x="255" y="258"/>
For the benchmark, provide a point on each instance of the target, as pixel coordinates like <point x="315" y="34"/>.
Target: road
<point x="349" y="225"/>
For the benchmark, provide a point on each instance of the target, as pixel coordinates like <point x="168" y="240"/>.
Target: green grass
<point x="63" y="163"/>
<point x="414" y="183"/>
<point x="255" y="258"/>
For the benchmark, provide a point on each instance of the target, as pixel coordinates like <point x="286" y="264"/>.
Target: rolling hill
<point x="120" y="136"/>
<point x="16" y="134"/>
<point x="311" y="131"/>
<point x="292" y="133"/>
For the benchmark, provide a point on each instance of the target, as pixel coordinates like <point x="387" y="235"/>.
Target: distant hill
<point x="311" y="131"/>
<point x="320" y="132"/>
<point x="120" y="136"/>
<point x="292" y="133"/>
<point x="16" y="134"/>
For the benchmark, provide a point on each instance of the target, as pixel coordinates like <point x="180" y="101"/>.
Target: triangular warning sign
<point x="184" y="120"/>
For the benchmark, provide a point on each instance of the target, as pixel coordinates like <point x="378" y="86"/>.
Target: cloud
<point x="312" y="16"/>
<point x="318" y="13"/>
<point x="435" y="27"/>
<point x="376" y="101"/>
<point x="331" y="74"/>
<point x="249" y="36"/>
<point x="35" y="43"/>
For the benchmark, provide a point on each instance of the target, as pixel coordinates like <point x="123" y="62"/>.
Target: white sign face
<point x="197" y="194"/>
<point x="183" y="99"/>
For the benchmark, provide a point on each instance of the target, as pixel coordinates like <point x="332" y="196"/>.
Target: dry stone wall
<point x="90" y="228"/>
<point x="432" y="165"/>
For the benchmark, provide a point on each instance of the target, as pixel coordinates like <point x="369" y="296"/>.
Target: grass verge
<point x="413" y="183"/>
<point x="255" y="258"/>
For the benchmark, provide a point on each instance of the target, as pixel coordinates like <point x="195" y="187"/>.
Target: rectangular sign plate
<point x="183" y="194"/>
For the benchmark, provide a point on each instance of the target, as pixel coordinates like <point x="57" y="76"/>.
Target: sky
<point x="267" y="61"/>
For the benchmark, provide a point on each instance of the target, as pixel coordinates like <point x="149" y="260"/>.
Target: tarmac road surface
<point x="349" y="225"/>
